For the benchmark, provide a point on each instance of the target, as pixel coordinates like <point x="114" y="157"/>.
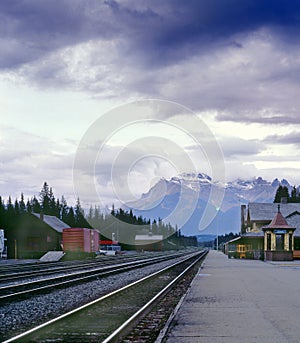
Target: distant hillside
<point x="205" y="238"/>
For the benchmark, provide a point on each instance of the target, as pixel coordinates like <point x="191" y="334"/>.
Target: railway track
<point x="70" y="277"/>
<point x="113" y="316"/>
<point x="9" y="273"/>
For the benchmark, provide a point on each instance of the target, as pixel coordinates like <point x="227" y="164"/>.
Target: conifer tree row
<point x="282" y="194"/>
<point x="46" y="202"/>
<point x="106" y="223"/>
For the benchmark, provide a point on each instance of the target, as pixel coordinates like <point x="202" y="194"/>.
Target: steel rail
<point x="121" y="329"/>
<point x="107" y="265"/>
<point x="74" y="278"/>
<point x="124" y="328"/>
<point x="45" y="272"/>
<point x="46" y="269"/>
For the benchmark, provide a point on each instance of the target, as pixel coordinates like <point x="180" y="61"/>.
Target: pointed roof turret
<point x="278" y="222"/>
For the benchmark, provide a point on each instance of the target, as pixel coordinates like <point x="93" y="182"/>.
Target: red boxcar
<point x="80" y="240"/>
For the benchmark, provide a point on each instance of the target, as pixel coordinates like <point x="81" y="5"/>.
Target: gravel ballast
<point x="19" y="316"/>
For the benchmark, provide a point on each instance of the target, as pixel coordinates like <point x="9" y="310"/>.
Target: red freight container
<point x="80" y="239"/>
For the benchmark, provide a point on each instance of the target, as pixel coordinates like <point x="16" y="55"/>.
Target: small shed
<point x="278" y="239"/>
<point x="34" y="235"/>
<point x="80" y="240"/>
<point x="148" y="242"/>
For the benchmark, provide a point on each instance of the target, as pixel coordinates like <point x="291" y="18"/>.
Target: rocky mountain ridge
<point x="189" y="193"/>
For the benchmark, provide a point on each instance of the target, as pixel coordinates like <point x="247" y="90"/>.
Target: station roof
<point x="267" y="211"/>
<point x="149" y="237"/>
<point x="253" y="234"/>
<point x="52" y="221"/>
<point x="294" y="220"/>
<point x="248" y="235"/>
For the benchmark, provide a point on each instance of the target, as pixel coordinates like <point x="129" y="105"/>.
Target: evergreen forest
<point x="123" y="225"/>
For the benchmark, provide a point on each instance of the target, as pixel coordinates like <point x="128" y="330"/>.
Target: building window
<point x="231" y="247"/>
<point x="279" y="242"/>
<point x="296" y="243"/>
<point x="290" y="241"/>
<point x="268" y="241"/>
<point x="244" y="248"/>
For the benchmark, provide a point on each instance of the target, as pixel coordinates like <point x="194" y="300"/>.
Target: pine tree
<point x="140" y="220"/>
<point x="282" y="192"/>
<point x="35" y="205"/>
<point x="63" y="209"/>
<point x="29" y="206"/>
<point x="154" y="227"/>
<point x="90" y="217"/>
<point x="70" y="217"/>
<point x="113" y="213"/>
<point x="10" y="215"/>
<point x="294" y="195"/>
<point x="53" y="206"/>
<point x="2" y="213"/>
<point x="10" y="208"/>
<point x="22" y="205"/>
<point x="79" y="215"/>
<point x="56" y="212"/>
<point x="44" y="197"/>
<point x="17" y="208"/>
<point x="98" y="219"/>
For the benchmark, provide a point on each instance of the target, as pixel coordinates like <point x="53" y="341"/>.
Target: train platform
<point x="236" y="301"/>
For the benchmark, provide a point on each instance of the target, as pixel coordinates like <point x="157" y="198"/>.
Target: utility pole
<point x="16" y="249"/>
<point x="218" y="219"/>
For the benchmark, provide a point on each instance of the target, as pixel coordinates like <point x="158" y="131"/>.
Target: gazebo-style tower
<point x="278" y="239"/>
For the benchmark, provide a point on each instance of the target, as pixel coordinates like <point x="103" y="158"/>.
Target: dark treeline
<point x="123" y="225"/>
<point x="225" y="238"/>
<point x="11" y="212"/>
<point x="222" y="239"/>
<point x="283" y="193"/>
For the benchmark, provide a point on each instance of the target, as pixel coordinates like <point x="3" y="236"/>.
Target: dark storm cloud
<point x="237" y="57"/>
<point x="164" y="31"/>
<point x="30" y="29"/>
<point x="158" y="31"/>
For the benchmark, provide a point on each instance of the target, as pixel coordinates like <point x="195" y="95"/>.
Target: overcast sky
<point x="65" y="63"/>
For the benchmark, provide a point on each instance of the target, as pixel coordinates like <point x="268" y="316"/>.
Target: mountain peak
<point x="284" y="182"/>
<point x="193" y="177"/>
<point x="275" y="183"/>
<point x="260" y="181"/>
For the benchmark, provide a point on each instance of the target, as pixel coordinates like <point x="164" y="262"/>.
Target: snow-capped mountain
<point x="183" y="199"/>
<point x="191" y="180"/>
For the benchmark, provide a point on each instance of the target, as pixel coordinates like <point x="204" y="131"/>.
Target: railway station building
<point x="269" y="231"/>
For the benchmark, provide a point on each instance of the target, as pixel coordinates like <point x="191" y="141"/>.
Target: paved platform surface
<point x="240" y="301"/>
